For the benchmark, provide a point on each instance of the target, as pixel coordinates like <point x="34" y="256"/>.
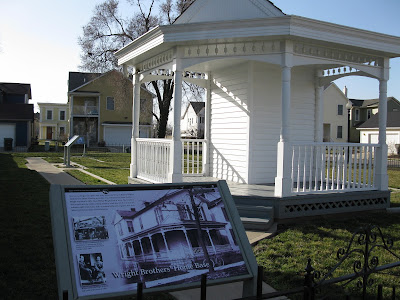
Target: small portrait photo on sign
<point x="90" y="228"/>
<point x="91" y="269"/>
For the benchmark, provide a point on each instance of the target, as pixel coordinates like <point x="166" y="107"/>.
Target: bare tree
<point x="108" y="31"/>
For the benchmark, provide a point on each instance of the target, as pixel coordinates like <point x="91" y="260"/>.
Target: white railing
<point x="327" y="167"/>
<point x="153" y="159"/>
<point x="192" y="156"/>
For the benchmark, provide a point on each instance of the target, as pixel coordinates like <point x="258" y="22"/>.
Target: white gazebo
<point x="264" y="73"/>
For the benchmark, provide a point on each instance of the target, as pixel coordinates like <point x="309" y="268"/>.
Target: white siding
<point x="229" y="124"/>
<point x="266" y="114"/>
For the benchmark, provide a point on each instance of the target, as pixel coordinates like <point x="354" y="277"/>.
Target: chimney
<point x="345" y="90"/>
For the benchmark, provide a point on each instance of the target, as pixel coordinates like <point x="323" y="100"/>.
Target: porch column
<point x="166" y="244"/>
<point x="152" y="247"/>
<point x="175" y="173"/>
<point x="382" y="151"/>
<point x="319" y="110"/>
<point x="283" y="183"/>
<point x="212" y="243"/>
<point x="135" y="125"/>
<point x="141" y="248"/>
<point x="71" y="116"/>
<point x="187" y="241"/>
<point x="207" y="126"/>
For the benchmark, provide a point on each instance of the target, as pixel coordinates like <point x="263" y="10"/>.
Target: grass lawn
<point x="27" y="261"/>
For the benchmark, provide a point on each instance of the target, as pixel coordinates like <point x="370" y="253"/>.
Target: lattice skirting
<point x="314" y="205"/>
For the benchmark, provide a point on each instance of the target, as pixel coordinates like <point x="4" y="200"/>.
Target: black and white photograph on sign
<point x="176" y="239"/>
<point x="90" y="228"/>
<point x="160" y="237"/>
<point x="91" y="269"/>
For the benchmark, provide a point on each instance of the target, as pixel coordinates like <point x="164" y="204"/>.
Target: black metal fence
<point x="362" y="245"/>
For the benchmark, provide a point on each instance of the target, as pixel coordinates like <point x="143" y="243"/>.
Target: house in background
<point x="369" y="131"/>
<point x="53" y="122"/>
<point x="16" y="116"/>
<point x="335" y="115"/>
<point x="192" y="124"/>
<point x="362" y="110"/>
<point x="100" y="108"/>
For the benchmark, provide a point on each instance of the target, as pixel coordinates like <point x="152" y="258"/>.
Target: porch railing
<point x="324" y="167"/>
<point x="85" y="110"/>
<point x="192" y="156"/>
<point x="153" y="159"/>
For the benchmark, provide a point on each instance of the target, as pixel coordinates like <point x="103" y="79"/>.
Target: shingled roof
<point x="393" y="120"/>
<point x="16" y="88"/>
<point x="77" y="79"/>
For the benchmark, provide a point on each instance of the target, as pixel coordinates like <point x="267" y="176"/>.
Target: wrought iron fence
<point x="360" y="251"/>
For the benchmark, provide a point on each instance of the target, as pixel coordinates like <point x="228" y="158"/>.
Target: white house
<point x="335" y="115"/>
<point x="192" y="124"/>
<point x="264" y="73"/>
<point x="165" y="234"/>
<point x="369" y="131"/>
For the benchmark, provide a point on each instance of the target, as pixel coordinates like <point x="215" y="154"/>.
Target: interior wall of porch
<point x="229" y="123"/>
<point x="266" y="115"/>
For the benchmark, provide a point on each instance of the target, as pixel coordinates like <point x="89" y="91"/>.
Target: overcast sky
<point x="38" y="39"/>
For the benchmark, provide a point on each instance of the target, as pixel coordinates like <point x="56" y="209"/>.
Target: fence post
<point x="260" y="274"/>
<point x="309" y="282"/>
<point x="380" y="292"/>
<point x="139" y="293"/>
<point x="203" y="287"/>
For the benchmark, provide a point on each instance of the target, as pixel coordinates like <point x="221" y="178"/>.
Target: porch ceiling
<point x="163" y="38"/>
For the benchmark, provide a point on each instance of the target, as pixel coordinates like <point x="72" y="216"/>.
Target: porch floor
<point x="239" y="189"/>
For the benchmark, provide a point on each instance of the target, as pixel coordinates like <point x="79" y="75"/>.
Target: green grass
<point x="27" y="266"/>
<point x="394" y="177"/>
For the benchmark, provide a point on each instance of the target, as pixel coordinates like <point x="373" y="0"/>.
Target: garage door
<point x="117" y="135"/>
<point x="7" y="131"/>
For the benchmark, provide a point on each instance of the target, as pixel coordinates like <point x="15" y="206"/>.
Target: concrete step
<point x="256" y="217"/>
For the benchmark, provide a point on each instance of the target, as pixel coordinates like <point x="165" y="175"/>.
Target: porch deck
<point x="262" y="195"/>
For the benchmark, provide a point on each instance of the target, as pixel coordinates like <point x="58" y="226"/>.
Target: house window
<point x="339" y="132"/>
<point x="159" y="215"/>
<point x="369" y="113"/>
<point x="130" y="226"/>
<point x="62" y="115"/>
<point x="119" y="227"/>
<point x="141" y="222"/>
<point x="184" y="212"/>
<point x="62" y="131"/>
<point x="201" y="120"/>
<point x="110" y="103"/>
<point x="49" y="115"/>
<point x="340" y="110"/>
<point x="357" y="116"/>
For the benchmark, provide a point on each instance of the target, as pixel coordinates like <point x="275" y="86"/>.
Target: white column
<point x="71" y="116"/>
<point x="319" y="111"/>
<point x="187" y="241"/>
<point x="284" y="160"/>
<point x="212" y="243"/>
<point x="175" y="173"/>
<point x="382" y="151"/>
<point x="135" y="125"/>
<point x="207" y="126"/>
<point x="166" y="244"/>
<point x="152" y="247"/>
<point x="141" y="248"/>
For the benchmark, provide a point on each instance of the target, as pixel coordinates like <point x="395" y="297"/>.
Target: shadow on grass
<point x="27" y="261"/>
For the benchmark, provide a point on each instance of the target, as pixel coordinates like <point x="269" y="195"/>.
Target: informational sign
<point x="164" y="236"/>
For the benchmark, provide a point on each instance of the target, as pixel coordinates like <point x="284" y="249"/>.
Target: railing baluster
<point x="298" y="170"/>
<point x="304" y="169"/>
<point x="365" y="166"/>
<point x="359" y="167"/>
<point x="310" y="186"/>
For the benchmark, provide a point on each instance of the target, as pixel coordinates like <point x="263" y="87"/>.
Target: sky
<point x="39" y="39"/>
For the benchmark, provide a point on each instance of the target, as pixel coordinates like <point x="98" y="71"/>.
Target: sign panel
<point x="71" y="140"/>
<point x="161" y="235"/>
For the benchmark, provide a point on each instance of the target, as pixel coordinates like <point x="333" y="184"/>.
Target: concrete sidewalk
<point x="56" y="175"/>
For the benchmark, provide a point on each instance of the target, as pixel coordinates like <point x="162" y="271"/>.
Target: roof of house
<point x="393" y="120"/>
<point x="197" y="106"/>
<point x="11" y="111"/>
<point x="369" y="102"/>
<point x="16" y="88"/>
<point x="77" y="79"/>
